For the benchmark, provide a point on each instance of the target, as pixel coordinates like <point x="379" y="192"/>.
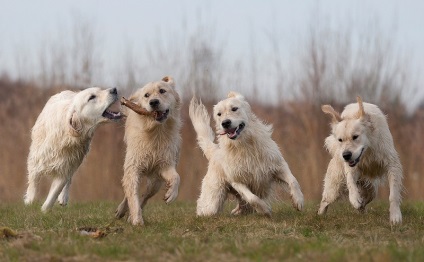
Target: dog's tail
<point x="201" y="122"/>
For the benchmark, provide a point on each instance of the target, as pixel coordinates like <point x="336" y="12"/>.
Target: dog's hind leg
<point x="55" y="189"/>
<point x="172" y="179"/>
<point x="333" y="182"/>
<point x="258" y="204"/>
<point x="395" y="183"/>
<point x="286" y="176"/>
<point x="153" y="185"/>
<point x="242" y="207"/>
<point x="33" y="181"/>
<point x="130" y="183"/>
<point x="64" y="195"/>
<point x="368" y="192"/>
<point x="122" y="209"/>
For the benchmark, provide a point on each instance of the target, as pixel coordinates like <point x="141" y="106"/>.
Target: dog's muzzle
<point x="232" y="132"/>
<point x="113" y="110"/>
<point x="347" y="156"/>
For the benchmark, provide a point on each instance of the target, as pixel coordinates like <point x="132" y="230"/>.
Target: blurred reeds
<point x="328" y="67"/>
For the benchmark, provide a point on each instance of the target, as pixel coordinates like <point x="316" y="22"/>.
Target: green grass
<point x="174" y="233"/>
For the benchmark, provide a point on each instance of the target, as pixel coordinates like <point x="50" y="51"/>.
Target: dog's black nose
<point x="226" y="123"/>
<point x="113" y="91"/>
<point x="154" y="102"/>
<point x="347" y="155"/>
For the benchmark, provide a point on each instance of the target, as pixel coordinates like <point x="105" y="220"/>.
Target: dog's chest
<point x="372" y="169"/>
<point x="249" y="167"/>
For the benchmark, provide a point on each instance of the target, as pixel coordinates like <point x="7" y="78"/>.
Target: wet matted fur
<point x="153" y="145"/>
<point x="61" y="138"/>
<point x="363" y="155"/>
<point x="245" y="161"/>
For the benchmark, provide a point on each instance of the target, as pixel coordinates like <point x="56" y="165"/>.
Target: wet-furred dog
<point x="245" y="161"/>
<point x="61" y="138"/>
<point x="363" y="155"/>
<point x="153" y="144"/>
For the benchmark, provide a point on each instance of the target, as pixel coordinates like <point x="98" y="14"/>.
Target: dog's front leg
<point x="213" y="192"/>
<point x="172" y="179"/>
<point x="285" y="175"/>
<point x="130" y="183"/>
<point x="57" y="186"/>
<point x="258" y="204"/>
<point x="354" y="196"/>
<point x="332" y="183"/>
<point x="395" y="183"/>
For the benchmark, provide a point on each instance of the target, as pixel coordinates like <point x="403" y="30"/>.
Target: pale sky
<point x="25" y="24"/>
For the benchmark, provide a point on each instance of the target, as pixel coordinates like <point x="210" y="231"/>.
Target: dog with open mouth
<point x="153" y="139"/>
<point x="61" y="138"/>
<point x="245" y="162"/>
<point x="363" y="155"/>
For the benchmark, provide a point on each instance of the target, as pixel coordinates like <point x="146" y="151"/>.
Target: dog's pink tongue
<point x="231" y="135"/>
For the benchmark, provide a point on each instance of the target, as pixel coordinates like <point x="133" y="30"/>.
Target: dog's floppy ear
<point x="169" y="80"/>
<point x="75" y="125"/>
<point x="335" y="116"/>
<point x="233" y="94"/>
<point x="361" y="111"/>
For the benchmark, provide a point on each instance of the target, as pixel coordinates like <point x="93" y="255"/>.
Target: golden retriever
<point x="61" y="138"/>
<point x="245" y="161"/>
<point x="153" y="144"/>
<point x="363" y="155"/>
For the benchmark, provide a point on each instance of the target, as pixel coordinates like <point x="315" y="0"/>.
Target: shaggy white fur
<point x="246" y="161"/>
<point x="363" y="154"/>
<point x="153" y="144"/>
<point x="61" y="138"/>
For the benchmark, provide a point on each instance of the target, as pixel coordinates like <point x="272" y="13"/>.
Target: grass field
<point x="174" y="233"/>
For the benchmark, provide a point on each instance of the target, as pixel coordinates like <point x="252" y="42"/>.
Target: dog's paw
<point x="171" y="194"/>
<point x="236" y="211"/>
<point x="263" y="208"/>
<point x="323" y="207"/>
<point x="62" y="202"/>
<point x="120" y="212"/>
<point x="297" y="202"/>
<point x="138" y="221"/>
<point x="395" y="216"/>
<point x="356" y="201"/>
<point x="28" y="201"/>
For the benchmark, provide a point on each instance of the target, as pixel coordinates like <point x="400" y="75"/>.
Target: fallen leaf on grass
<point x="98" y="232"/>
<point x="7" y="233"/>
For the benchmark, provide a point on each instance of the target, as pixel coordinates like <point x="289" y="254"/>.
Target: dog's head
<point x="349" y="138"/>
<point x="91" y="107"/>
<point x="231" y="115"/>
<point x="159" y="97"/>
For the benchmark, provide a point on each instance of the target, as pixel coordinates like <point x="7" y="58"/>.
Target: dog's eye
<point x="234" y="109"/>
<point x="91" y="97"/>
<point x="354" y="137"/>
<point x="219" y="114"/>
<point x="146" y="95"/>
<point x="340" y="140"/>
<point x="162" y="91"/>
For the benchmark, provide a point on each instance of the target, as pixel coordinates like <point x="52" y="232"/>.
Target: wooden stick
<point x="136" y="108"/>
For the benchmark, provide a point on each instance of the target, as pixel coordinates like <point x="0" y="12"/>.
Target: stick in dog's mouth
<point x="136" y="108"/>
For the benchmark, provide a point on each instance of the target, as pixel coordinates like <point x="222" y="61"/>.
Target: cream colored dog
<point x="153" y="144"/>
<point x="246" y="161"/>
<point x="363" y="155"/>
<point x="61" y="138"/>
